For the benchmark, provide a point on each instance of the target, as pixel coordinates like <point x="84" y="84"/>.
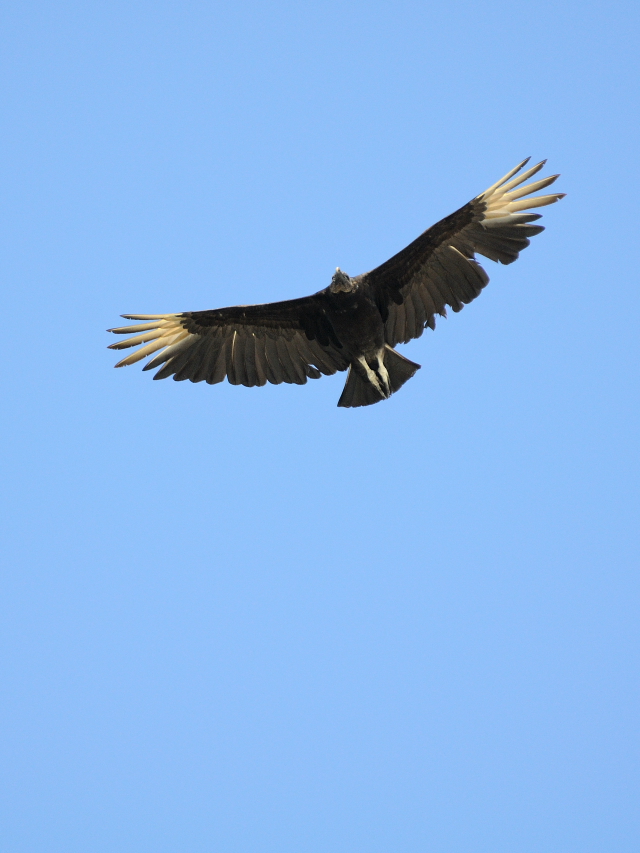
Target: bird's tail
<point x="360" y="391"/>
<point x="399" y="368"/>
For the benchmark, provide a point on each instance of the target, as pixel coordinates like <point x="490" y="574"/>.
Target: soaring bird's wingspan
<point x="250" y="344"/>
<point x="439" y="268"/>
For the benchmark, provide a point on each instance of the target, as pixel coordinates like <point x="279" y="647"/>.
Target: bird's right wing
<point x="249" y="344"/>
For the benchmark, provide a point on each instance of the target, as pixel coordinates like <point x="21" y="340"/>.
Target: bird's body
<point x="357" y="322"/>
<point x="354" y="323"/>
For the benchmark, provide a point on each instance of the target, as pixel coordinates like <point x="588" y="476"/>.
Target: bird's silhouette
<point x="355" y="323"/>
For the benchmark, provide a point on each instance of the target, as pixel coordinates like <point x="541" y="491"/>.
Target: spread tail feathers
<point x="359" y="390"/>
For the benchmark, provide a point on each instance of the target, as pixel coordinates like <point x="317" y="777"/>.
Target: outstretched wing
<point x="249" y="344"/>
<point x="439" y="268"/>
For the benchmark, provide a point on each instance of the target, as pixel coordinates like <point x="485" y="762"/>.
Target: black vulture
<point x="354" y="323"/>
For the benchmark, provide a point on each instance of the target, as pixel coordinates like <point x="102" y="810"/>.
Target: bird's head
<point x="341" y="282"/>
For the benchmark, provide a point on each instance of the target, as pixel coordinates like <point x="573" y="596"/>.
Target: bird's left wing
<point x="439" y="268"/>
<point x="249" y="344"/>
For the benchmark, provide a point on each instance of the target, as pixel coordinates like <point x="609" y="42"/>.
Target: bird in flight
<point x="354" y="323"/>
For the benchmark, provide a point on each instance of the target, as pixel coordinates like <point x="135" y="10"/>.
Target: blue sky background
<point x="244" y="620"/>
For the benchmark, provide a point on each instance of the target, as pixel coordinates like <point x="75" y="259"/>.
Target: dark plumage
<point x="355" y="322"/>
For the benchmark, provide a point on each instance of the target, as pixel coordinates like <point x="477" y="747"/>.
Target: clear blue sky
<point x="244" y="620"/>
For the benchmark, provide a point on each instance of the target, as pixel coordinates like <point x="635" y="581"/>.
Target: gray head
<point x="341" y="283"/>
